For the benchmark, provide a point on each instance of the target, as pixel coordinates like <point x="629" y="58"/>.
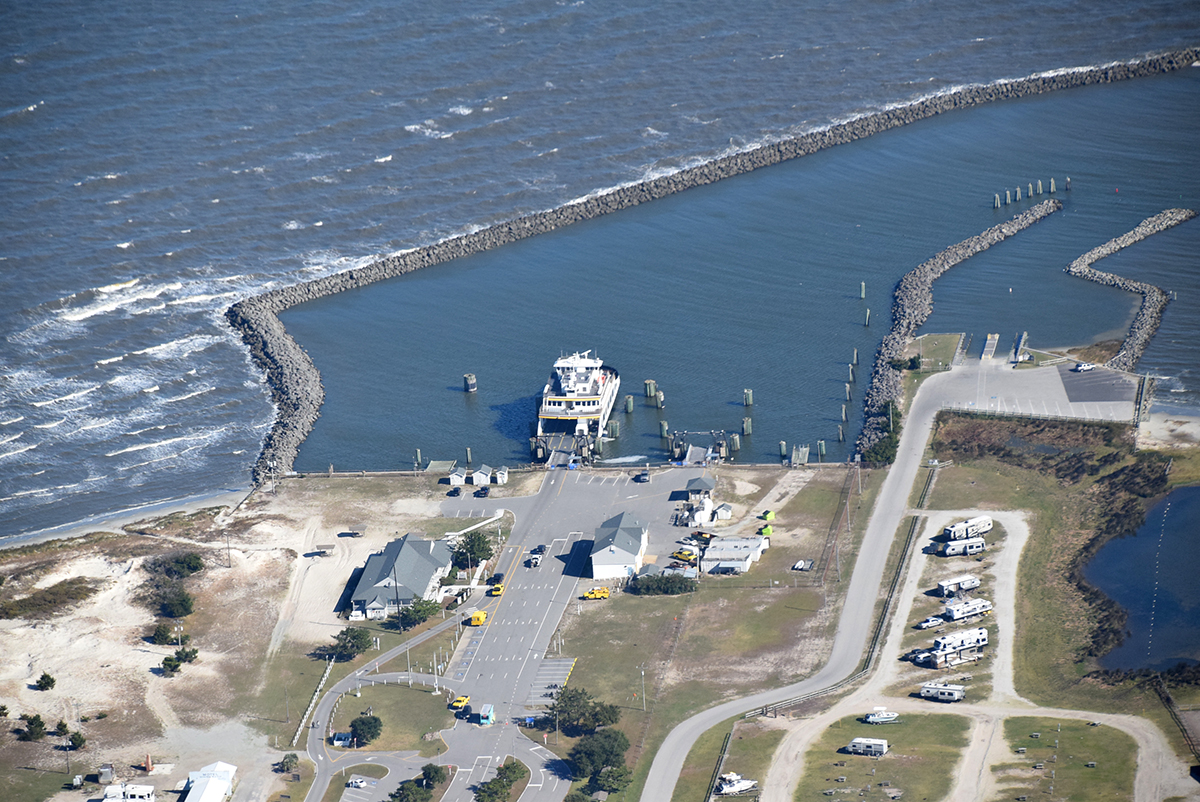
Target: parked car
<point x="1083" y="367"/>
<point x="538" y="549"/>
<point x="597" y="593"/>
<point x="482" y="492"/>
<point x="930" y="623"/>
<point x="356" y="782"/>
<point x="684" y="555"/>
<point x="535" y="560"/>
<point x="455" y="492"/>
<point x="460" y="703"/>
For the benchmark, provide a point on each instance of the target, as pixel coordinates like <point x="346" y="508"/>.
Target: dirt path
<point x="1160" y="774"/>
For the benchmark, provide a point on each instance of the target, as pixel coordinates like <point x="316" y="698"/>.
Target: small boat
<point x="881" y="715"/>
<point x="728" y="784"/>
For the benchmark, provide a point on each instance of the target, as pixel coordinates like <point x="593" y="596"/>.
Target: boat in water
<point x="881" y="715"/>
<point x="731" y="783"/>
<point x="579" y="396"/>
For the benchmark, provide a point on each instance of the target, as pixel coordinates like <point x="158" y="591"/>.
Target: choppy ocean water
<point x="158" y="163"/>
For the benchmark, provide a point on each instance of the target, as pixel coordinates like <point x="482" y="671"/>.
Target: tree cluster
<point x="600" y="758"/>
<point x="418" y="613"/>
<point x="350" y="643"/>
<point x="576" y="712"/>
<point x="289" y="763"/>
<point x="164" y="587"/>
<point x="497" y="789"/>
<point x="45" y="682"/>
<point x="420" y="789"/>
<point x="171" y="665"/>
<point x="662" y="585"/>
<point x="472" y="550"/>
<point x="366" y="729"/>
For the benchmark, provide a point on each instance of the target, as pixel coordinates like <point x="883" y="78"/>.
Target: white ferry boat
<point x="579" y="396"/>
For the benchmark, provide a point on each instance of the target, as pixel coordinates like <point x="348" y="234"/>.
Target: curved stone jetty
<point x="911" y="307"/>
<point x="295" y="384"/>
<point x="1154" y="300"/>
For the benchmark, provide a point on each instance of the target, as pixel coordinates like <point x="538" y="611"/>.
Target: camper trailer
<point x="950" y="587"/>
<point x="973" y="545"/>
<point x="972" y="527"/>
<point x="867" y="746"/>
<point x="957" y="640"/>
<point x="967" y="609"/>
<point x="943" y="692"/>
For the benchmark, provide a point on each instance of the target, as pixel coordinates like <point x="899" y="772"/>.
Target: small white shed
<point x="483" y="476"/>
<point x="458" y="477"/>
<point x="502" y="475"/>
<point x="723" y="512"/>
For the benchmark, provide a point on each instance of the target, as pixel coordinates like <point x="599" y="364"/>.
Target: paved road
<point x="499" y="663"/>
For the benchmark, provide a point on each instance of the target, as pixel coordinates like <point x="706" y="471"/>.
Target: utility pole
<point x="642" y="668"/>
<point x="287" y="705"/>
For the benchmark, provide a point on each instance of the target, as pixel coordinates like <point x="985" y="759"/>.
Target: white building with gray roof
<point x="407" y="569"/>
<point x="619" y="547"/>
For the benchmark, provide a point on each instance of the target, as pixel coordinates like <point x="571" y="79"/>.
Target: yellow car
<point x="685" y="555"/>
<point x="496" y="590"/>
<point x="596" y="593"/>
<point x="460" y="703"/>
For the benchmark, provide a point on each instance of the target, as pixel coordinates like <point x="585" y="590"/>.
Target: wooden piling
<point x="469" y="382"/>
<point x="862" y="289"/>
<point x="663" y="429"/>
<point x="868" y="320"/>
<point x="1051" y="186"/>
<point x="747" y="398"/>
<point x="651" y="388"/>
<point x="747" y="427"/>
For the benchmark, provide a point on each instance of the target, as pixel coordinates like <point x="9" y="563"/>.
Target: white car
<point x="930" y="623"/>
<point x="1083" y="367"/>
<point x="356" y="782"/>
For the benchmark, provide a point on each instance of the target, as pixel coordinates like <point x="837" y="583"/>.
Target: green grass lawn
<point x="337" y="786"/>
<point x="923" y="750"/>
<point x="701" y="760"/>
<point x="1113" y="752"/>
<point x="407" y="715"/>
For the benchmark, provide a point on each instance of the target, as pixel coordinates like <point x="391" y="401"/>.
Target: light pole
<point x="178" y="636"/>
<point x="642" y="668"/>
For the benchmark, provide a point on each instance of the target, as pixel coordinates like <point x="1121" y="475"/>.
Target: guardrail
<point x="313" y="702"/>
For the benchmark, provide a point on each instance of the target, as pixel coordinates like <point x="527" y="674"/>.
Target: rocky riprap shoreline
<point x="911" y="306"/>
<point x="1154" y="300"/>
<point x="295" y="383"/>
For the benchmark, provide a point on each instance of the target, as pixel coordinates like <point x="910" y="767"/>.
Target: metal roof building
<point x="407" y="569"/>
<point x="619" y="547"/>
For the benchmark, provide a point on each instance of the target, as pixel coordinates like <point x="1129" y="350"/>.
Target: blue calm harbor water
<point x="1152" y="574"/>
<point x="160" y="161"/>
<point x="753" y="282"/>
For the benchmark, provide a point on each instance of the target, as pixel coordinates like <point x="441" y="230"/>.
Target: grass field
<point x="923" y="750"/>
<point x="296" y="789"/>
<point x="1113" y="752"/>
<point x="407" y="715"/>
<point x="701" y="760"/>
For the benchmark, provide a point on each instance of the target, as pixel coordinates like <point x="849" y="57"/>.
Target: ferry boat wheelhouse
<point x="579" y="396"/>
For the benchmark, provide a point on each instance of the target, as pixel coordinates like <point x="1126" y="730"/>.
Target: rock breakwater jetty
<point x="912" y="304"/>
<point x="295" y="383"/>
<point x="1154" y="299"/>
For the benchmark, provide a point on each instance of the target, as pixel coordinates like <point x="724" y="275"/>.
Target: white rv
<point x="967" y="609"/>
<point x="957" y="640"/>
<point x="973" y="545"/>
<point x="949" y="587"/>
<point x="972" y="527"/>
<point x="943" y="692"/>
<point x="867" y="746"/>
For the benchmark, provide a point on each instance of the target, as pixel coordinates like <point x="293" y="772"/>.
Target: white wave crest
<point x="383" y="159"/>
<point x="153" y="389"/>
<point x="462" y="111"/>
<point x="19" y="451"/>
<point x="159" y="444"/>
<point x="110" y="360"/>
<point x="49" y="425"/>
<point x="104" y="307"/>
<point x="120" y="285"/>
<point x="180" y="348"/>
<point x="11" y="438"/>
<point x="124" y="244"/>
<point x="17" y="419"/>
<point x="189" y="395"/>
<point x="428" y="128"/>
<point x="196" y="299"/>
<point x="68" y="397"/>
<point x="292" y="225"/>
